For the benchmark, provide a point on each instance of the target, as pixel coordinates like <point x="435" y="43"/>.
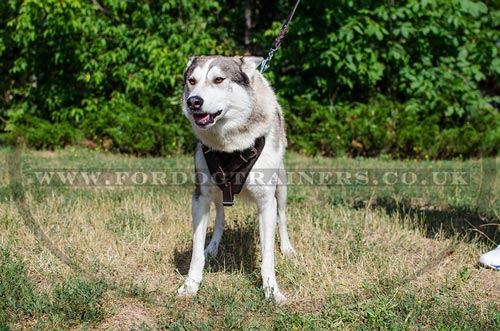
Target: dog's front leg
<point x="200" y="210"/>
<point x="267" y="232"/>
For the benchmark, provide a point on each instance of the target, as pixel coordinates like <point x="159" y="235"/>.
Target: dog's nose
<point x="194" y="102"/>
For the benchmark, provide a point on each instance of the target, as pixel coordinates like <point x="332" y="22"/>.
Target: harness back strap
<point x="230" y="170"/>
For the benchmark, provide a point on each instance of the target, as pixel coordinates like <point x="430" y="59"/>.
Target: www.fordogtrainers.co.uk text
<point x="316" y="177"/>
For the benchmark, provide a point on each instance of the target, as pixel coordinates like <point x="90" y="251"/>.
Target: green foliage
<point x="111" y="70"/>
<point x="386" y="127"/>
<point x="410" y="79"/>
<point x="398" y="78"/>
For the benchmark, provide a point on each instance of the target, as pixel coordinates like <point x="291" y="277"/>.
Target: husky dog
<point x="229" y="105"/>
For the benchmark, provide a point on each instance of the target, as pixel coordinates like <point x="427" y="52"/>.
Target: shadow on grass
<point x="469" y="223"/>
<point x="237" y="252"/>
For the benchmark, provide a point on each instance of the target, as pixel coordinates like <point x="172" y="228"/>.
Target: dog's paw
<point x="287" y="250"/>
<point x="211" y="250"/>
<point x="279" y="298"/>
<point x="188" y="289"/>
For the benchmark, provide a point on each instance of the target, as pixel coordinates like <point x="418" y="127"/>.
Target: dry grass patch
<point x="357" y="265"/>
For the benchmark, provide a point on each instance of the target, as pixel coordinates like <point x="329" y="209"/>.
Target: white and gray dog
<point x="230" y="105"/>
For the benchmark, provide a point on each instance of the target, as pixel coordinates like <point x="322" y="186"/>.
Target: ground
<point x="383" y="255"/>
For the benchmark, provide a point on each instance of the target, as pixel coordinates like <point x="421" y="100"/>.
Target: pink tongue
<point x="201" y="118"/>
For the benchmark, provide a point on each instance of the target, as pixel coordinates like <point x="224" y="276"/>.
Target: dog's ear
<point x="190" y="62"/>
<point x="249" y="64"/>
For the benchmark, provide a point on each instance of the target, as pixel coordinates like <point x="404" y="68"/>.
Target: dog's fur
<point x="230" y="104"/>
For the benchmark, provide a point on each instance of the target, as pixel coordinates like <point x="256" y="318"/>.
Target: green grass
<point x="72" y="301"/>
<point x="370" y="257"/>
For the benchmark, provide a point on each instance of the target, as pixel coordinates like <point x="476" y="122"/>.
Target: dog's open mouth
<point x="203" y="119"/>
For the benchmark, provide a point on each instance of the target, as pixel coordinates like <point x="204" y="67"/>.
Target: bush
<point x="401" y="79"/>
<point x="357" y="78"/>
<point x="130" y="128"/>
<point x="108" y="71"/>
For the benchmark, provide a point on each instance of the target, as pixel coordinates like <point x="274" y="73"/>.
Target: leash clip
<point x="274" y="47"/>
<point x="265" y="64"/>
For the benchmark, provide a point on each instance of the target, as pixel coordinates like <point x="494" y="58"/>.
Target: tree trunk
<point x="248" y="27"/>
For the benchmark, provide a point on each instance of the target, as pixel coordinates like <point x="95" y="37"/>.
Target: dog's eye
<point x="218" y="80"/>
<point x="192" y="81"/>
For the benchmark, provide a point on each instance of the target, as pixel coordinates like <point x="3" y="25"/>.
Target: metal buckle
<point x="220" y="177"/>
<point x="251" y="156"/>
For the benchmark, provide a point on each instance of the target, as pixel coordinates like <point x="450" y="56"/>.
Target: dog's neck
<point x="231" y="140"/>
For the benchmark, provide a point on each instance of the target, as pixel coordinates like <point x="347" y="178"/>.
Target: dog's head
<point x="218" y="90"/>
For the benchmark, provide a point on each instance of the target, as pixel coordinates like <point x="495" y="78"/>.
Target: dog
<point x="230" y="105"/>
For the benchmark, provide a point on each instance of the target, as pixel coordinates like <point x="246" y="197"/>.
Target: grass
<point x="370" y="257"/>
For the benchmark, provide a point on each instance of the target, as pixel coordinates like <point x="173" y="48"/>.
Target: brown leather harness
<point x="230" y="170"/>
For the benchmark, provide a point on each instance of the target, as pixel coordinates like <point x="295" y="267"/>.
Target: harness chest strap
<point x="230" y="170"/>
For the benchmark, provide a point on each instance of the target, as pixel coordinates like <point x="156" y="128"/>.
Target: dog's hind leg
<point x="213" y="246"/>
<point x="281" y="193"/>
<point x="200" y="210"/>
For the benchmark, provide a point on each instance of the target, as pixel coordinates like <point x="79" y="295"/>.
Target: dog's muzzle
<point x="203" y="119"/>
<point x="200" y="117"/>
